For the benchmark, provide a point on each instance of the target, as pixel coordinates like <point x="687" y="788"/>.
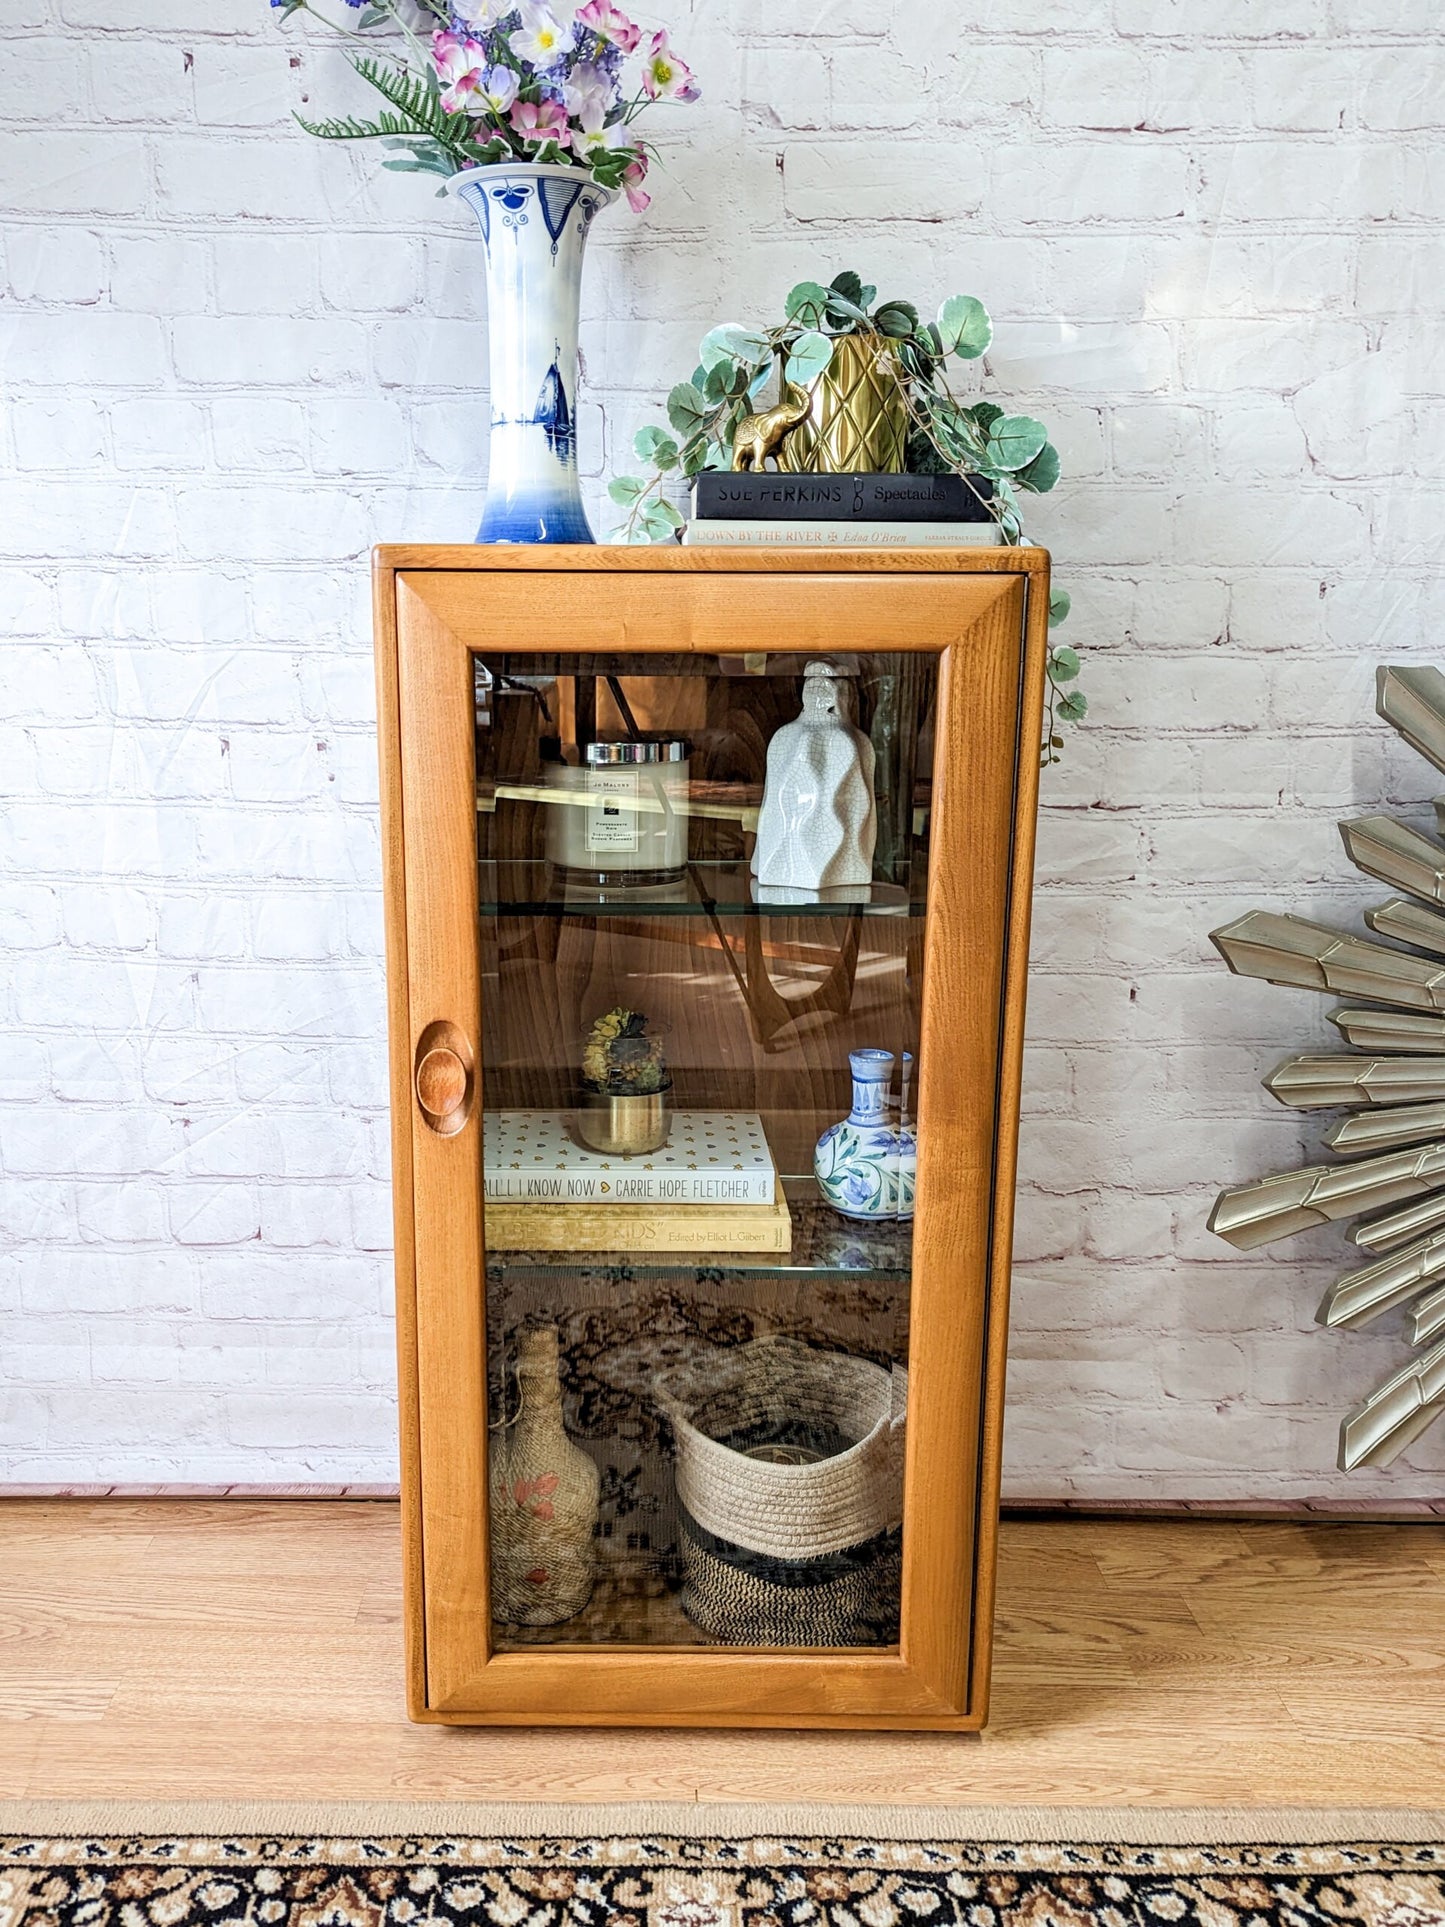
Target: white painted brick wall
<point x="1213" y="238"/>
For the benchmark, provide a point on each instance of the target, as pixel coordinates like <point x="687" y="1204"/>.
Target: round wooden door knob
<point x="441" y="1082"/>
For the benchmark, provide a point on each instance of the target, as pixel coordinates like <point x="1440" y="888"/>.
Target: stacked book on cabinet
<point x="840" y="511"/>
<point x="712" y="1187"/>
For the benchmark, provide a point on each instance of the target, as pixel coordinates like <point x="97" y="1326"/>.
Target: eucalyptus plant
<point x="999" y="456"/>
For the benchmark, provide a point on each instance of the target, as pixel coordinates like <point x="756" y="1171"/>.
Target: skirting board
<point x="1140" y="1826"/>
<point x="1352" y="1511"/>
<point x="1344" y="1511"/>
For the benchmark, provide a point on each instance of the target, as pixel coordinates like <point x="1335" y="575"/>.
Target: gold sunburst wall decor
<point x="1391" y="1084"/>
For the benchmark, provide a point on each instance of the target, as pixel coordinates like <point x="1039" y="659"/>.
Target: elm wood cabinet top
<point x="483" y="558"/>
<point x="496" y="988"/>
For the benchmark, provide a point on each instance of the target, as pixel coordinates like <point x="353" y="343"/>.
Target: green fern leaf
<point x="419" y="104"/>
<point x="344" y="130"/>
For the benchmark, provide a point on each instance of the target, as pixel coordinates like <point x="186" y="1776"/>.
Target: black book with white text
<point x="765" y="495"/>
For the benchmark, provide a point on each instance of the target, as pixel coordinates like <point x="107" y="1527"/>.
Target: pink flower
<point x="461" y="66"/>
<point x="602" y="18"/>
<point x="664" y="75"/>
<point x="633" y="175"/>
<point x="539" y="121"/>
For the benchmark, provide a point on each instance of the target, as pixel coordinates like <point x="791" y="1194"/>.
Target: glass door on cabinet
<point x="699" y="1052"/>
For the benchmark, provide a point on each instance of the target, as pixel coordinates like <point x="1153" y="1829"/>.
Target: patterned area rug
<point x="732" y="1878"/>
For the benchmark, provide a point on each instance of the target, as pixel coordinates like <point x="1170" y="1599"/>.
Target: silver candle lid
<point x="601" y="754"/>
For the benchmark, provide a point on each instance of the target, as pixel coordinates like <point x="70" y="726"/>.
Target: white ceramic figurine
<point x="817" y="826"/>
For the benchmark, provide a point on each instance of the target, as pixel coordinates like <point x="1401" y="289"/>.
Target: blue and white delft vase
<point x="534" y="222"/>
<point x="860" y="1163"/>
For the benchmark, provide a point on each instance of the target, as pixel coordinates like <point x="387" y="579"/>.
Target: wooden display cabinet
<point x="493" y="664"/>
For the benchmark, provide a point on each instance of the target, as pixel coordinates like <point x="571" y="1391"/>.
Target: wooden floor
<point x="252" y="1650"/>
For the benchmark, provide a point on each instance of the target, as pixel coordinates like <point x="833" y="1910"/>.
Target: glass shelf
<point x="708" y="889"/>
<point x="825" y="1245"/>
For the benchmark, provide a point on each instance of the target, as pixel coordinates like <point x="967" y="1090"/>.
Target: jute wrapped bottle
<point x="543" y="1492"/>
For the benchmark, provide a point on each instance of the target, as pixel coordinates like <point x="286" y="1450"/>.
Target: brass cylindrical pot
<point x="857" y="423"/>
<point x="624" y="1126"/>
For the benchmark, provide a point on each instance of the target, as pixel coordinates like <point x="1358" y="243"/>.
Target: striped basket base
<point x="747" y="1599"/>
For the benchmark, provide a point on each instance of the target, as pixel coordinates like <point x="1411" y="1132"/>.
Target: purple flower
<point x="589" y="93"/>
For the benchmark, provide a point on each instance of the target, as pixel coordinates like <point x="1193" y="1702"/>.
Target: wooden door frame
<point x="986" y="610"/>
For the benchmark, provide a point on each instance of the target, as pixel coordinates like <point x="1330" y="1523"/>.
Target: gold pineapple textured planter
<point x="857" y="420"/>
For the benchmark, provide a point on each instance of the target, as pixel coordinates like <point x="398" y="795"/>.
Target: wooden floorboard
<point x="220" y="1649"/>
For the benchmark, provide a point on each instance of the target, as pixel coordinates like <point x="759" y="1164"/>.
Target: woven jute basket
<point x="748" y="1599"/>
<point x="784" y="1456"/>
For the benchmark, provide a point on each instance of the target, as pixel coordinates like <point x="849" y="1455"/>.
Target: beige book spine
<point x="638" y="1227"/>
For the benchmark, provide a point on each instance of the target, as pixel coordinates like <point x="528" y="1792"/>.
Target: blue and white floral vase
<point x="859" y="1164"/>
<point x="534" y="221"/>
<point x="906" y="1137"/>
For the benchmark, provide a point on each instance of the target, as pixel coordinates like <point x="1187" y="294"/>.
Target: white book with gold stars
<point x="711" y="1157"/>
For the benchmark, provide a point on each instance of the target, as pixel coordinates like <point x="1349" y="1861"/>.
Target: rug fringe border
<point x="1135" y="1826"/>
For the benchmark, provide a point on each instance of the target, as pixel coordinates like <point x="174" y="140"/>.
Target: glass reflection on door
<point x="697" y="1313"/>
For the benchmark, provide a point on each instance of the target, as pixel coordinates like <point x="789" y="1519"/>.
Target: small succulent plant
<point x="619" y="1059"/>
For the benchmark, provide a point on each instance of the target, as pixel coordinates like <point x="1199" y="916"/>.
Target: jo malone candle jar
<point x="620" y="814"/>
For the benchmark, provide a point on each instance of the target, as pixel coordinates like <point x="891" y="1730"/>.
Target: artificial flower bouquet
<point x="471" y="82"/>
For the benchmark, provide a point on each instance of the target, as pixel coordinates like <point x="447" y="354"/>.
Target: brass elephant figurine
<point x="760" y="435"/>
